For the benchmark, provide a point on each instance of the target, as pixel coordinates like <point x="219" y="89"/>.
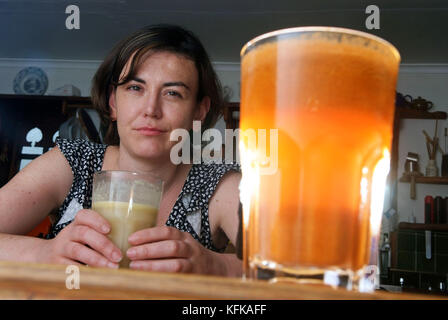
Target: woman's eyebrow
<point x="136" y="79"/>
<point x="166" y="84"/>
<point x="176" y="84"/>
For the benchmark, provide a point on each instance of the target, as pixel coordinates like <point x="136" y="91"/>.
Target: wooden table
<point x="39" y="281"/>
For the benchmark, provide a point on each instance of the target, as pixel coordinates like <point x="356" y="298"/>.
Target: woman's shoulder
<point x="214" y="168"/>
<point x="78" y="144"/>
<point x="205" y="177"/>
<point x="213" y="172"/>
<point x="80" y="153"/>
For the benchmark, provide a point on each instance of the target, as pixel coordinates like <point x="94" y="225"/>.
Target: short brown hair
<point x="160" y="37"/>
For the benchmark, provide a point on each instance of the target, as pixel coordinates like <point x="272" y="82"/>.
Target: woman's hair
<point x="156" y="38"/>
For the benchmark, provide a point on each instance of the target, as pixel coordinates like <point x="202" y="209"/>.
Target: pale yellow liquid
<point x="124" y="221"/>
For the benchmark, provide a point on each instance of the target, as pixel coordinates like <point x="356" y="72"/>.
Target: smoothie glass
<point x="129" y="201"/>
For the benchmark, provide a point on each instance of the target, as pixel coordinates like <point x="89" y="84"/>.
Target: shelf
<point x="69" y="99"/>
<point x="427" y="180"/>
<point x="422" y="226"/>
<point x="417" y="114"/>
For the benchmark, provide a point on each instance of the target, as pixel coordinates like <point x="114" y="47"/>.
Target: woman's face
<point x="161" y="98"/>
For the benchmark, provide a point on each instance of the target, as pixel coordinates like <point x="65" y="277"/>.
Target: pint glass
<point x="317" y="111"/>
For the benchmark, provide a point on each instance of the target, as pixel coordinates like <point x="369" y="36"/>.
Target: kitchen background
<point x="33" y="33"/>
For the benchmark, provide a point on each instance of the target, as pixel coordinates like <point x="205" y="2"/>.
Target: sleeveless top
<point x="189" y="213"/>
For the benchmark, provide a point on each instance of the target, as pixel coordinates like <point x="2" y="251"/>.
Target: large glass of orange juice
<point x="328" y="95"/>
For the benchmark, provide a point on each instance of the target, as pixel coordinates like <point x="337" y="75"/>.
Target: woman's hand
<point x="83" y="241"/>
<point x="166" y="249"/>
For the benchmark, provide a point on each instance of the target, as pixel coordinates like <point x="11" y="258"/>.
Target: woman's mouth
<point x="149" y="131"/>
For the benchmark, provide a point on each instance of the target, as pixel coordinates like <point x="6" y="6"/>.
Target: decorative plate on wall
<point x="31" y="80"/>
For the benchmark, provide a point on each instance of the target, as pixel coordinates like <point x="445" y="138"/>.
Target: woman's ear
<point x="203" y="109"/>
<point x="112" y="104"/>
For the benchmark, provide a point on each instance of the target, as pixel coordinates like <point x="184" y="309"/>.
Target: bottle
<point x="445" y="158"/>
<point x="385" y="256"/>
<point x="439" y="209"/>
<point x="429" y="209"/>
<point x="445" y="215"/>
<point x="431" y="168"/>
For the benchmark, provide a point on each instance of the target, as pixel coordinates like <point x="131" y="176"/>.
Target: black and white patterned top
<point x="189" y="213"/>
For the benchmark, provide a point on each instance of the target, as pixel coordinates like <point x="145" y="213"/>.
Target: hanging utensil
<point x="412" y="170"/>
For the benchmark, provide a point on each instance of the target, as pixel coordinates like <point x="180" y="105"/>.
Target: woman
<point x="157" y="80"/>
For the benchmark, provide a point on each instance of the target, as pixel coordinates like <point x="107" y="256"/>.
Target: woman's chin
<point x="152" y="153"/>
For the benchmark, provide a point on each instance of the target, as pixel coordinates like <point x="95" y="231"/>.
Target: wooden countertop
<point x="39" y="281"/>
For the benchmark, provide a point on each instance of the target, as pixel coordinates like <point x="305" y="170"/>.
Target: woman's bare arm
<point x="27" y="199"/>
<point x="34" y="192"/>
<point x="223" y="213"/>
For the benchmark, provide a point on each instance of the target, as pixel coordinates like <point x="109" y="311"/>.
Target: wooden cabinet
<point x="28" y="127"/>
<point x="410" y="269"/>
<point x="393" y="179"/>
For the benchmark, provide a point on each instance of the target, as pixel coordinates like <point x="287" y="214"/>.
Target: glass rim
<point x="358" y="33"/>
<point x="157" y="180"/>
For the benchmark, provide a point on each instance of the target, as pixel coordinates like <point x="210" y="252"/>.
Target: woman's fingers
<point x="90" y="228"/>
<point x="160" y="250"/>
<point x="164" y="265"/>
<point x="79" y="252"/>
<point x="85" y="240"/>
<point x="167" y="249"/>
<point x="158" y="243"/>
<point x="155" y="234"/>
<point x="93" y="219"/>
<point x="63" y="260"/>
<point x="97" y="241"/>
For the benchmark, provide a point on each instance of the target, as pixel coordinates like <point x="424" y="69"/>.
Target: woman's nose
<point x="152" y="107"/>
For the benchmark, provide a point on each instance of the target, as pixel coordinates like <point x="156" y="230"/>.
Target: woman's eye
<point x="174" y="94"/>
<point x="134" y="88"/>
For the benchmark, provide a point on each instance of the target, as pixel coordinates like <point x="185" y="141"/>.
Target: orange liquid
<point x="333" y="106"/>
